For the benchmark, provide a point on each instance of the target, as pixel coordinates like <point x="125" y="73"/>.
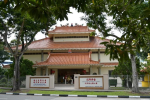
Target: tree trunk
<point x="134" y="75"/>
<point x="16" y="78"/>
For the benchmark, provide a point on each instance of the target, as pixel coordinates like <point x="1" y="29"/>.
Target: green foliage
<point x="125" y="68"/>
<point x="3" y="54"/>
<point x="43" y="9"/>
<point x="129" y="17"/>
<point x="14" y="42"/>
<point x="95" y="16"/>
<point x="92" y="34"/>
<point x="142" y="55"/>
<point x="27" y="17"/>
<point x="146" y="68"/>
<point x="2" y="71"/>
<point x="25" y="68"/>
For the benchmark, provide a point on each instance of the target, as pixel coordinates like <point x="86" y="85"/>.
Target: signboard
<point x="91" y="82"/>
<point x="39" y="82"/>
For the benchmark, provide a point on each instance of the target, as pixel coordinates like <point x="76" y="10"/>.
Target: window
<point x="71" y="37"/>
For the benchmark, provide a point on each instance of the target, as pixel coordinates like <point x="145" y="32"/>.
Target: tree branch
<point x="5" y="39"/>
<point x="27" y="44"/>
<point x="18" y="39"/>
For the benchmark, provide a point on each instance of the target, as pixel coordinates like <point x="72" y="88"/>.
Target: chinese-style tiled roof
<point x="69" y="29"/>
<point x="48" y="44"/>
<point x="71" y="59"/>
<point x="68" y="59"/>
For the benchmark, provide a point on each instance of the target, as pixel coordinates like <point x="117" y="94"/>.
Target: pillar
<point x="42" y="55"/>
<point x="41" y="71"/>
<point x="99" y="55"/>
<point x="90" y="70"/>
<point x="42" y="59"/>
<point x="46" y="69"/>
<point x="99" y="70"/>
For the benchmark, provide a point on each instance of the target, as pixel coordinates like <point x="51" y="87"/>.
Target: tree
<point x="2" y="71"/>
<point x="125" y="68"/>
<point x="133" y="24"/>
<point x="14" y="42"/>
<point x="27" y="18"/>
<point x="25" y="69"/>
<point x="131" y="18"/>
<point x="25" y="28"/>
<point x="3" y="54"/>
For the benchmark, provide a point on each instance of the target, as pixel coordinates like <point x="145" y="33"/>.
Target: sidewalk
<point x="70" y="87"/>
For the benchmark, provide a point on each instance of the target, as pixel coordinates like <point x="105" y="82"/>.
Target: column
<point x="99" y="70"/>
<point x="99" y="55"/>
<point x="42" y="59"/>
<point x="46" y="69"/>
<point x="90" y="70"/>
<point x="41" y="71"/>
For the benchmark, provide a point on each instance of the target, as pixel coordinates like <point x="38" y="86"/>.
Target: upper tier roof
<point x="70" y="30"/>
<point x="48" y="44"/>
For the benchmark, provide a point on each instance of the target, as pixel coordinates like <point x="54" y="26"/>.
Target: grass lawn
<point x="117" y="88"/>
<point x="123" y="93"/>
<point x="4" y="90"/>
<point x="120" y="93"/>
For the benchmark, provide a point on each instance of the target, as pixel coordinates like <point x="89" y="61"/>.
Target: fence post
<point x="127" y="82"/>
<point x="7" y="80"/>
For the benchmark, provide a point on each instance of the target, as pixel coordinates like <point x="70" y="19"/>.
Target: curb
<point x="66" y="95"/>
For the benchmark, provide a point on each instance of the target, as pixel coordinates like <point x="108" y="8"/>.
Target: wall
<point x="70" y="39"/>
<point x="55" y="75"/>
<point x="38" y="71"/>
<point x="45" y="56"/>
<point x="103" y="57"/>
<point x="104" y="70"/>
<point x="35" y="58"/>
<point x="77" y="81"/>
<point x="106" y="58"/>
<point x="94" y="70"/>
<point x="51" y="81"/>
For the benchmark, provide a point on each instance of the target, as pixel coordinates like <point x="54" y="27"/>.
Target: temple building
<point x="69" y="50"/>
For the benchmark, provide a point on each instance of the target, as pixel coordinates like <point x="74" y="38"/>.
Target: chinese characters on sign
<point x="39" y="82"/>
<point x="91" y="82"/>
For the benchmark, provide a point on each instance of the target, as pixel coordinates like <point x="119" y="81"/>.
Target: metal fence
<point x="7" y="81"/>
<point x="125" y="81"/>
<point x="116" y="82"/>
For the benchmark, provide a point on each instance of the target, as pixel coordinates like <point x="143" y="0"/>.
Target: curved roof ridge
<point x="70" y="29"/>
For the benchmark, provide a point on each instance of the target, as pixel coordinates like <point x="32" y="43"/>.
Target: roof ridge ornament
<point x="69" y="51"/>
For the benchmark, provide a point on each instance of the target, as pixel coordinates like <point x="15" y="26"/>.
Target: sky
<point x="74" y="17"/>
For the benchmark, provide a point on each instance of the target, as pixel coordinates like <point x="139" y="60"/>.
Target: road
<point x="27" y="97"/>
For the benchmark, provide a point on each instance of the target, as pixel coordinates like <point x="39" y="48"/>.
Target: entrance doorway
<point x="68" y="75"/>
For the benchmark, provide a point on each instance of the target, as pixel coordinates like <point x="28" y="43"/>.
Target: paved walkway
<point x="70" y="87"/>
